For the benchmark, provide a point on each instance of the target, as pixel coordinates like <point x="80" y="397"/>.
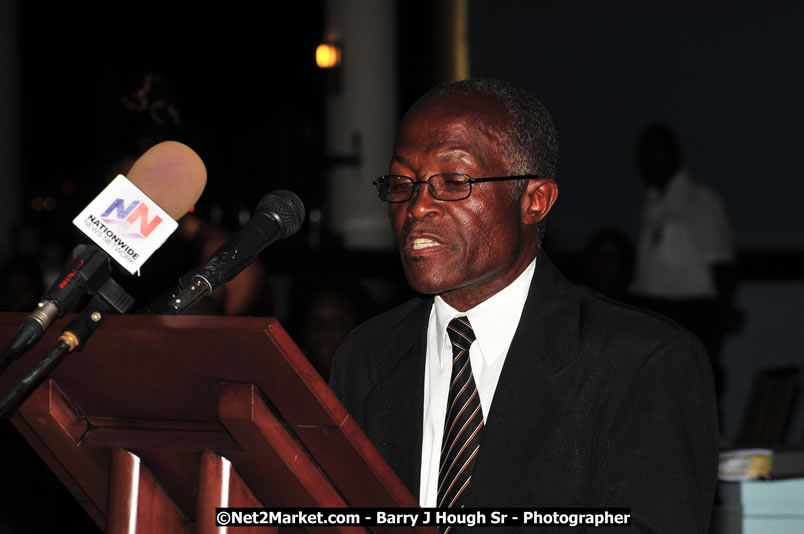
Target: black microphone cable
<point x="88" y="273"/>
<point x="110" y="298"/>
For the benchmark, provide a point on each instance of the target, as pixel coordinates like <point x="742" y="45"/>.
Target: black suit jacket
<point x="598" y="404"/>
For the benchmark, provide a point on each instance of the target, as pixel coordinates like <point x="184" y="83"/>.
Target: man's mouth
<point x="421" y="243"/>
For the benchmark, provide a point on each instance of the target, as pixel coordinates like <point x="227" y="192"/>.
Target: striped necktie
<point x="464" y="422"/>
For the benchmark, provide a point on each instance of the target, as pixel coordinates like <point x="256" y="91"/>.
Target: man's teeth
<point x="421" y="243"/>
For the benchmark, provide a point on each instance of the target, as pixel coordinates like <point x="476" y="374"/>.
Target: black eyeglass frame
<point x="469" y="180"/>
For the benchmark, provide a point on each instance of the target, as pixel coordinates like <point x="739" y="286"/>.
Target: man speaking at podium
<point x="505" y="385"/>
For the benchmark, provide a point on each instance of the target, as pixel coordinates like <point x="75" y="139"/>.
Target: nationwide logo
<point x="125" y="218"/>
<point x="125" y="223"/>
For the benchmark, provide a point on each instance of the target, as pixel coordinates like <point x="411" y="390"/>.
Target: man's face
<point x="464" y="250"/>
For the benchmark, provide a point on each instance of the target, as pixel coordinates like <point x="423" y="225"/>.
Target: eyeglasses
<point x="447" y="186"/>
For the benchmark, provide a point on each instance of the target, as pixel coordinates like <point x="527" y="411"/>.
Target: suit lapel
<point x="544" y="343"/>
<point x="394" y="408"/>
<point x="546" y="340"/>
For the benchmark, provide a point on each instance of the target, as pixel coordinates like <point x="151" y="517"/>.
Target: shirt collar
<point x="678" y="182"/>
<point x="494" y="320"/>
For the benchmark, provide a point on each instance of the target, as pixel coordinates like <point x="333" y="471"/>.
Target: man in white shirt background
<point x="685" y="253"/>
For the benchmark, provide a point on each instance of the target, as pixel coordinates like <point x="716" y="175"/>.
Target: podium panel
<point x="160" y="419"/>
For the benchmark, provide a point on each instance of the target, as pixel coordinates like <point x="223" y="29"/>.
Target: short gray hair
<point x="532" y="146"/>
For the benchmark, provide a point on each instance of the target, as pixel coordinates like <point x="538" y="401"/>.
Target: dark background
<point x="723" y="75"/>
<point x="250" y="100"/>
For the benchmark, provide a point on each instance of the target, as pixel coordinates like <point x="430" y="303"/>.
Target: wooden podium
<point x="161" y="419"/>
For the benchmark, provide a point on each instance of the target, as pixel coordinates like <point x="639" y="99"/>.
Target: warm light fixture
<point x="327" y="55"/>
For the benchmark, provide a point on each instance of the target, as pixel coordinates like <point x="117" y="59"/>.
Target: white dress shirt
<point x="494" y="322"/>
<point x="684" y="232"/>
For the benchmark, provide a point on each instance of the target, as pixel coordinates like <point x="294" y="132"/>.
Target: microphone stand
<point x="110" y="298"/>
<point x="87" y="274"/>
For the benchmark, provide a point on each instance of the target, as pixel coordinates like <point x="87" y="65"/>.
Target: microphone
<point x="86" y="273"/>
<point x="278" y="215"/>
<point x="172" y="176"/>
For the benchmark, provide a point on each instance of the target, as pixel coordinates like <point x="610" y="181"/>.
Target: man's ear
<point x="539" y="197"/>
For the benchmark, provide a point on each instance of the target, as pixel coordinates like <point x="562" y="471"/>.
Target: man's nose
<point x="423" y="203"/>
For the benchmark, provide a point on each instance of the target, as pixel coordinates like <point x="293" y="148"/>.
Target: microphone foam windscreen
<point x="172" y="175"/>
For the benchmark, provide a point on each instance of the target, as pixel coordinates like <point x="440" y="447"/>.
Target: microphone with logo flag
<point x="128" y="221"/>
